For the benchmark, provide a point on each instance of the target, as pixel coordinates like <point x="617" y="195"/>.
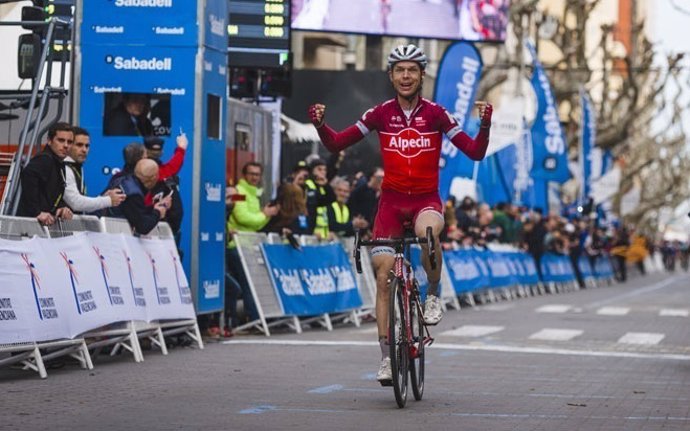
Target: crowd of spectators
<point x="314" y="200"/>
<point x="143" y="192"/>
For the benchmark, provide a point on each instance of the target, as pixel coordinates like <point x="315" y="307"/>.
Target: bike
<point x="408" y="334"/>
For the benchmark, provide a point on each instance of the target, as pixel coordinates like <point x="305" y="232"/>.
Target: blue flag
<point x="548" y="140"/>
<point x="587" y="145"/>
<point x="456" y="87"/>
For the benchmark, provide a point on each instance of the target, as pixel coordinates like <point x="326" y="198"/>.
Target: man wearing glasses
<point x="43" y="179"/>
<point x="246" y="216"/>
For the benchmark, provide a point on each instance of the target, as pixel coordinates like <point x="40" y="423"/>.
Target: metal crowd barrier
<point x="123" y="335"/>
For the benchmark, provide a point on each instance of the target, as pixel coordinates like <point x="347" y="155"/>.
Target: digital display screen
<point x="475" y="20"/>
<point x="64" y="10"/>
<point x="259" y="33"/>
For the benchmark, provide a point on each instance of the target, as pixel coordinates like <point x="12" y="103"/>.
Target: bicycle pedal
<point x="386" y="382"/>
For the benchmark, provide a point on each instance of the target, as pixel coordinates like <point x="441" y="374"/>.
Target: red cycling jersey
<point x="410" y="146"/>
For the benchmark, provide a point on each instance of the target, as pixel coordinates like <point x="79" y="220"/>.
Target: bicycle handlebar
<point x="398" y="243"/>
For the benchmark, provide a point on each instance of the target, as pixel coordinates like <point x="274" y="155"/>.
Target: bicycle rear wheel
<point x="397" y="338"/>
<point x="417" y="348"/>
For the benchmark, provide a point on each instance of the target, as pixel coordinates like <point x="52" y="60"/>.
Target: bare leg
<point x="435" y="220"/>
<point x="383" y="265"/>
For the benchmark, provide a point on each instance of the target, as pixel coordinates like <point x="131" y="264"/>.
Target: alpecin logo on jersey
<point x="407" y="143"/>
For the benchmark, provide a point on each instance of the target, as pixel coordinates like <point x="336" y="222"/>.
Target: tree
<point x="637" y="120"/>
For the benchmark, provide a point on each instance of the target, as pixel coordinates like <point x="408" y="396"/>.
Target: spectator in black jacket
<point x="130" y="118"/>
<point x="142" y="218"/>
<point x="364" y="199"/>
<point x="43" y="179"/>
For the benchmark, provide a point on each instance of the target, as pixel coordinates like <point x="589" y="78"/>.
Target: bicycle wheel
<point x="397" y="338"/>
<point x="417" y="348"/>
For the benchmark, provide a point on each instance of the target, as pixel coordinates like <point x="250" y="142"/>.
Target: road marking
<point x="656" y="286"/>
<point x="477" y="347"/>
<point x="644" y="338"/>
<point x="549" y="334"/>
<point x="372" y="330"/>
<point x="673" y="312"/>
<point x="553" y="308"/>
<point x="497" y="307"/>
<point x="613" y="311"/>
<point x="473" y="331"/>
<point x="257" y="410"/>
<point x="326" y="389"/>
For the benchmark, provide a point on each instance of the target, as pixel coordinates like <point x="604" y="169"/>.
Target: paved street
<point x="613" y="358"/>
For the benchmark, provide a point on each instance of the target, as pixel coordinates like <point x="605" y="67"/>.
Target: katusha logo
<point x="409" y="142"/>
<point x="133" y="63"/>
<point x="144" y="3"/>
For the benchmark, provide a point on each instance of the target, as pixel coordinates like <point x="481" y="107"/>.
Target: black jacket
<point x="43" y="185"/>
<point x="142" y="218"/>
<point x="120" y="123"/>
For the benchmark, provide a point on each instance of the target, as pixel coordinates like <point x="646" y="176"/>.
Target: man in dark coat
<point x="142" y="218"/>
<point x="43" y="179"/>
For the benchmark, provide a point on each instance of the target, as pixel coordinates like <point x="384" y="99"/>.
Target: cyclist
<point x="410" y="132"/>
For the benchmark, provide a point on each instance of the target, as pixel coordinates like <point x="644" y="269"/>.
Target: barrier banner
<point x="173" y="298"/>
<point x="585" y="267"/>
<point x="315" y="280"/>
<point x="29" y="302"/>
<point x="420" y="273"/>
<point x="556" y="268"/>
<point x="523" y="266"/>
<point x="467" y="272"/>
<point x="499" y="270"/>
<point x="141" y="272"/>
<point x="603" y="267"/>
<point x="116" y="274"/>
<point x="76" y="270"/>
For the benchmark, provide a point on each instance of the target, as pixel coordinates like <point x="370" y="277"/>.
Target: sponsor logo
<point x="211" y="289"/>
<point x="109" y="29"/>
<point x="409" y="142"/>
<point x="217" y="25"/>
<point x="169" y="30"/>
<point x="419" y="121"/>
<point x="205" y="237"/>
<point x="143" y="3"/>
<point x="221" y="70"/>
<point x="396" y="118"/>
<point x="213" y="192"/>
<point x="133" y="63"/>
<point x="173" y="91"/>
<point x="470" y="75"/>
<point x="220" y="236"/>
<point x="208" y="66"/>
<point x="99" y="90"/>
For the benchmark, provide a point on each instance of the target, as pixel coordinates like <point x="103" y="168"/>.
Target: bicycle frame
<point x="402" y="270"/>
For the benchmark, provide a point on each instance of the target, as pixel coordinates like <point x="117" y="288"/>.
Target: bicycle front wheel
<point x="397" y="338"/>
<point x="417" y="348"/>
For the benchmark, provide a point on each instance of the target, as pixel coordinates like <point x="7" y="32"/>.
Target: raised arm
<point x="332" y="140"/>
<point x="475" y="148"/>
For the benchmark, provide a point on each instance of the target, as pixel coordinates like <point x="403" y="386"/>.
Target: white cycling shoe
<point x="385" y="374"/>
<point x="432" y="310"/>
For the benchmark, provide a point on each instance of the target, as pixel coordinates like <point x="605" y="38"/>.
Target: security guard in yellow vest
<point x="340" y="220"/>
<point x="319" y="196"/>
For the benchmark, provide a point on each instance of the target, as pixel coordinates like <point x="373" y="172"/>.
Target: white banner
<point x="112" y="251"/>
<point x="173" y="296"/>
<point x="28" y="301"/>
<point x="60" y="288"/>
<point x="76" y="270"/>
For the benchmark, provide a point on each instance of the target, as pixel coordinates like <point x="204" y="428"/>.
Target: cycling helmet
<point x="407" y="53"/>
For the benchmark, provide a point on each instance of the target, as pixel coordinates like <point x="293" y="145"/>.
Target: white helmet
<point x="407" y="53"/>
